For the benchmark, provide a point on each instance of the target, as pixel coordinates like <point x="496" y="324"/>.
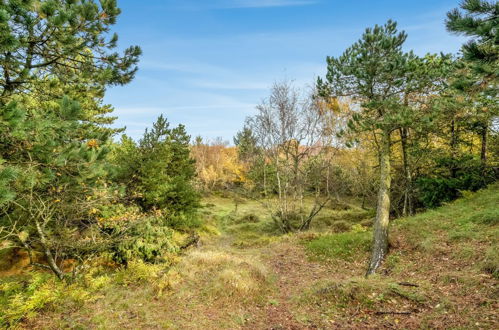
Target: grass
<point x="441" y="272"/>
<point x="223" y="276"/>
<point x="490" y="262"/>
<point x="250" y="225"/>
<point x="368" y="293"/>
<point x="466" y="230"/>
<point x="343" y="246"/>
<point x="449" y="254"/>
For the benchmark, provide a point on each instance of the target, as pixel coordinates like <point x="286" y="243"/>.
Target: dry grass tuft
<point x="221" y="275"/>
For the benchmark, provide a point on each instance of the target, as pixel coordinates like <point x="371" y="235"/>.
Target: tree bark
<point x="48" y="254"/>
<point x="380" y="237"/>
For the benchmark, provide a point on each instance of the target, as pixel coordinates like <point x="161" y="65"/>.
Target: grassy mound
<point x="219" y="276"/>
<point x="441" y="271"/>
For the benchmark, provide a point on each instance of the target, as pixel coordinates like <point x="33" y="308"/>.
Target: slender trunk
<point x="264" y="179"/>
<point x="453" y="145"/>
<point x="282" y="218"/>
<point x="327" y="180"/>
<point x="48" y="254"/>
<point x="407" y="208"/>
<point x="483" y="153"/>
<point x="380" y="237"/>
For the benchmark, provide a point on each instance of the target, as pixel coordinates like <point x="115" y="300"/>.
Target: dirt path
<point x="293" y="273"/>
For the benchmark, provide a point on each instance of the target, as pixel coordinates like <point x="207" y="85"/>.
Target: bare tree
<point x="290" y="130"/>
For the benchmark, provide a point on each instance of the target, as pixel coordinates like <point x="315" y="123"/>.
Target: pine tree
<point x="246" y="143"/>
<point x="374" y="72"/>
<point x="63" y="40"/>
<point x="56" y="61"/>
<point x="158" y="173"/>
<point x="57" y="181"/>
<point x="479" y="19"/>
<point x="184" y="198"/>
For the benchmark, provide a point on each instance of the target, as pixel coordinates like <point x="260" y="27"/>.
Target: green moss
<point x="360" y="291"/>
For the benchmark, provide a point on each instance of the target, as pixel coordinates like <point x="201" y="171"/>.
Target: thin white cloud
<point x="234" y="106"/>
<point x="138" y="110"/>
<point x="122" y="111"/>
<point x="191" y="66"/>
<point x="265" y="3"/>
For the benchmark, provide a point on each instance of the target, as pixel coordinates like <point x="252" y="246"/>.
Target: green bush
<point x="442" y="187"/>
<point x="147" y="239"/>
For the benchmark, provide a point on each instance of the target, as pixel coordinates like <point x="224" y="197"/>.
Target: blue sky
<point x="207" y="63"/>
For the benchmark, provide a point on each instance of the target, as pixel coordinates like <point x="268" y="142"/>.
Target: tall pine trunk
<point x="380" y="238"/>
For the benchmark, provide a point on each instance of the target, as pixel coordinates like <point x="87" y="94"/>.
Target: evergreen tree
<point x="479" y="21"/>
<point x="374" y="72"/>
<point x="56" y="183"/>
<point x="56" y="60"/>
<point x="63" y="40"/>
<point x="246" y="143"/>
<point x="182" y="168"/>
<point x="477" y="77"/>
<point x="158" y="173"/>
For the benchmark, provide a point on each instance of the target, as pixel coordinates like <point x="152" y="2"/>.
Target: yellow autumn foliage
<point x="218" y="166"/>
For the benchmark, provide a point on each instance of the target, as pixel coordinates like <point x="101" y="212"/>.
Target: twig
<point x="392" y="312"/>
<point x="36" y="264"/>
<point x="408" y="284"/>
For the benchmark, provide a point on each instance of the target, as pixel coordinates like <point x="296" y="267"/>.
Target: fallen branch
<point x="390" y="312"/>
<point x="35" y="264"/>
<point x="408" y="284"/>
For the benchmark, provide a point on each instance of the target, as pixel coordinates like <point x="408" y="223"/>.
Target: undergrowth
<point x="22" y="298"/>
<point x="440" y="270"/>
<point x="343" y="246"/>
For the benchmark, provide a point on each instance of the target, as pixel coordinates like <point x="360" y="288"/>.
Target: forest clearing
<point x="182" y="184"/>
<point x="244" y="275"/>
